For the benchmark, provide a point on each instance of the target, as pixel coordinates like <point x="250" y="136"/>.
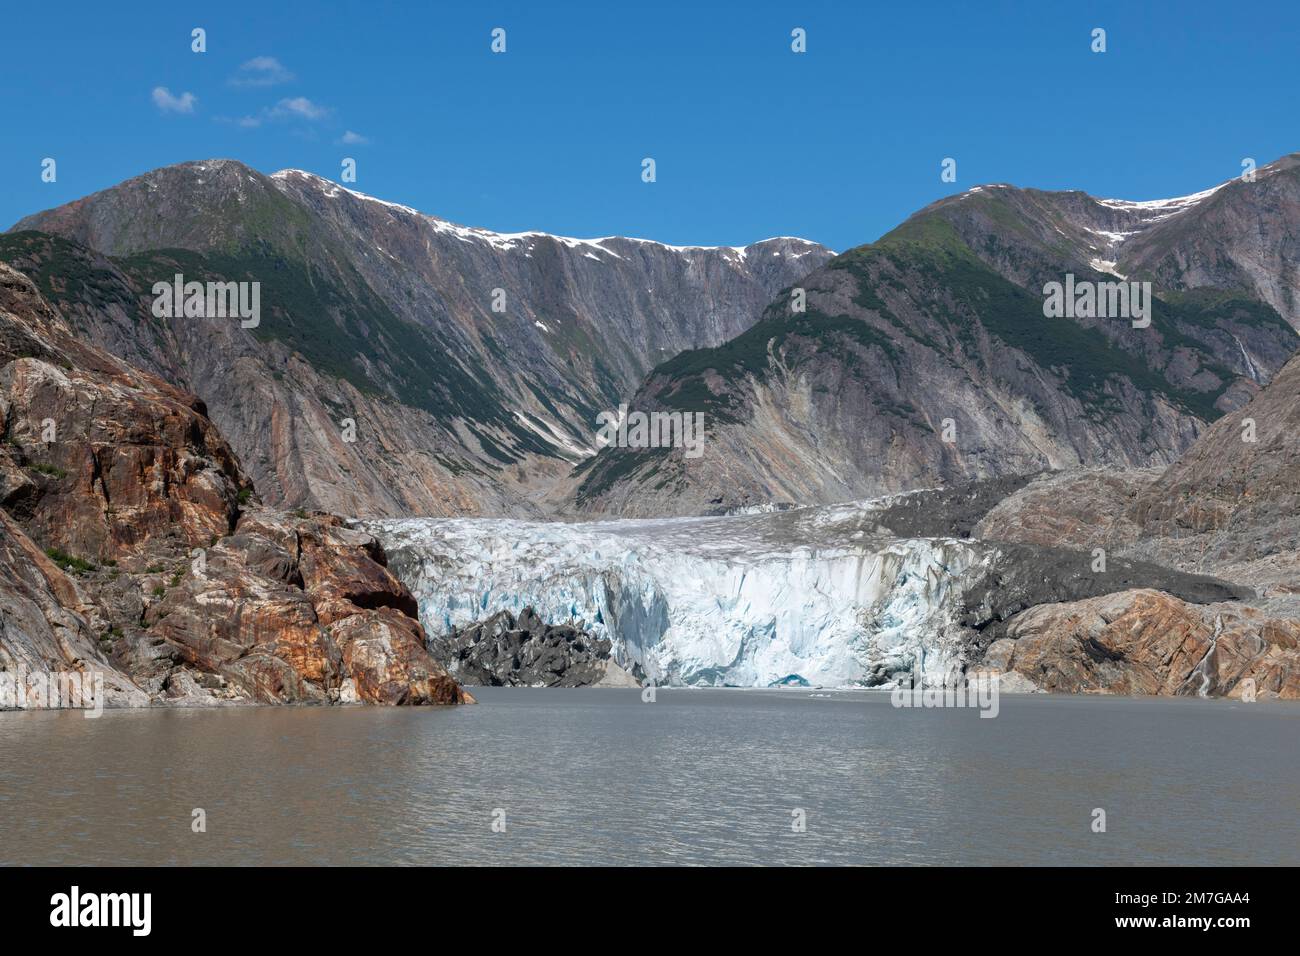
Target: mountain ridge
<point x="934" y="328"/>
<point x="463" y="409"/>
<point x="939" y="325"/>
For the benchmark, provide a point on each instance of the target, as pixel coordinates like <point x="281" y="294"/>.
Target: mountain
<point x="1229" y="506"/>
<point x="925" y="358"/>
<point x="132" y="546"/>
<point x="1236" y="493"/>
<point x="374" y="312"/>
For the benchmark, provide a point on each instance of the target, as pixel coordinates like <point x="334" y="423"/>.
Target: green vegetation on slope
<point x="64" y="270"/>
<point x="929" y="248"/>
<point x="312" y="301"/>
<point x="344" y="333"/>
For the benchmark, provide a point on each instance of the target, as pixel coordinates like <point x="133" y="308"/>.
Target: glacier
<point x="819" y="596"/>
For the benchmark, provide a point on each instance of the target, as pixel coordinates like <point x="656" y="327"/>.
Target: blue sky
<point x="838" y="144"/>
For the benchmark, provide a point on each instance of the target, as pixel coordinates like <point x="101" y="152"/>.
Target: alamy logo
<point x="652" y="430"/>
<point x="211" y="300"/>
<point x="103" y="909"/>
<point x="979" y="690"/>
<point x="22" y="689"/>
<point x="1098" y="300"/>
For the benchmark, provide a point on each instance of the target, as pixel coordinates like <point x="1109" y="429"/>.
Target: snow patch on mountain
<point x="1106" y="265"/>
<point x="550" y="432"/>
<point x="1148" y="212"/>
<point x="507" y="241"/>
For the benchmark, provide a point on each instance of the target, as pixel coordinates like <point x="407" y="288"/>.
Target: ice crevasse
<point x="814" y="595"/>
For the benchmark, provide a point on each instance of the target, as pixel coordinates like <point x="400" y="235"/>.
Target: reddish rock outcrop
<point x="115" y="456"/>
<point x="186" y="591"/>
<point x="1148" y="642"/>
<point x="300" y="609"/>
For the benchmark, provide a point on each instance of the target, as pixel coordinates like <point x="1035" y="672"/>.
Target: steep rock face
<point x="186" y="591"/>
<point x="299" y="610"/>
<point x="1146" y="642"/>
<point x="1237" y="491"/>
<point x="44" y="628"/>
<point x="925" y="359"/>
<point x="472" y="363"/>
<point x="111" y="456"/>
<point x="628" y="303"/>
<point x="1230" y="506"/>
<point x="1242" y="236"/>
<point x="285" y="417"/>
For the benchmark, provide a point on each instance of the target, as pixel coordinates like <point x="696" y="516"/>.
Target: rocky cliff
<point x="1230" y="506"/>
<point x="132" y="545"/>
<point x="1146" y="642"/>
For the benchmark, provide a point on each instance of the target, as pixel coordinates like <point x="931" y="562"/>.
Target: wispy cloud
<point x="301" y="107"/>
<point x="287" y="110"/>
<point x="261" y="71"/>
<point x="353" y="139"/>
<point x="163" y="99"/>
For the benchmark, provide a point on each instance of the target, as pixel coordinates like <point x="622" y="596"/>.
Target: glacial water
<point x="699" y="776"/>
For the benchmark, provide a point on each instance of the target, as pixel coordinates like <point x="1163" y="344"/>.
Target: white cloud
<point x="163" y="99"/>
<point x="261" y="71"/>
<point x="353" y="139"/>
<point x="289" y="110"/>
<point x="301" y="107"/>
<point x="296" y="108"/>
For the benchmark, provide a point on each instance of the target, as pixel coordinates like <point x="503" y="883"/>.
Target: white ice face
<point x="813" y="595"/>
